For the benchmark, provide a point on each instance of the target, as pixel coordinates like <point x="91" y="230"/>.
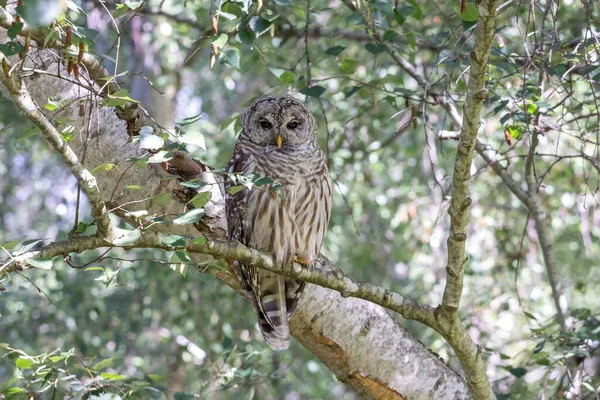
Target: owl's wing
<point x="235" y="204"/>
<point x="236" y="209"/>
<point x="267" y="290"/>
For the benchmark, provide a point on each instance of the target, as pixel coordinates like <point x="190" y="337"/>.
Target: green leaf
<point x="13" y="30"/>
<point x="189" y="217"/>
<point x="259" y="25"/>
<point x="529" y="315"/>
<point x="118" y="99"/>
<point x="411" y="39"/>
<point x="161" y="200"/>
<point x="38" y="263"/>
<point x="313" y="91"/>
<point x="283" y="75"/>
<point x="531" y="108"/>
<point x="103" y="364"/>
<point x="112" y="377"/>
<point x="349" y="92"/>
<point x="418" y="13"/>
<point x="263" y="181"/>
<point x="24" y="363"/>
<point x="81" y="227"/>
<point x="11" y="48"/>
<point x="158" y="378"/>
<point x="518" y="372"/>
<point x="389" y="35"/>
<point x="227" y="343"/>
<point x="358" y="18"/>
<point x="40" y="12"/>
<point x="121" y="10"/>
<point x="180" y="256"/>
<point x="348" y="66"/>
<point x="195" y="184"/>
<point x="11" y="245"/>
<point x="160" y="156"/>
<point x="581" y="313"/>
<point x="383" y="6"/>
<point x="102" y="168"/>
<point x="334" y="51"/>
<point x="189" y="120"/>
<point x="194" y="138"/>
<point x="13" y="390"/>
<point x="220" y="40"/>
<point x="200" y="199"/>
<point x="225" y="124"/>
<point x="405" y="11"/>
<point x="67" y="133"/>
<point x="133" y="4"/>
<point x="227" y="16"/>
<point x="375" y="48"/>
<point x="148" y="140"/>
<point x="235" y="189"/>
<point x="246" y="37"/>
<point x="471" y="13"/>
<point x="515" y="131"/>
<point x="200" y="240"/>
<point x="231" y="58"/>
<point x="185" y="396"/>
<point x="128" y="238"/>
<point x="269" y="17"/>
<point x="175" y="241"/>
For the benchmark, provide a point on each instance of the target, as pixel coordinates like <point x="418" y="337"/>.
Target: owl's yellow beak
<point x="279" y="141"/>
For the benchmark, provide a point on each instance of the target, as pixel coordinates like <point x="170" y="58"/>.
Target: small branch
<point x="19" y="94"/>
<point x="327" y="276"/>
<point x="510" y="183"/>
<point x="460" y="202"/>
<point x="534" y="205"/>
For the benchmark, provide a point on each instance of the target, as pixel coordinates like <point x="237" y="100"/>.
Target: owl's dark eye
<point x="292" y="125"/>
<point x="265" y="124"/>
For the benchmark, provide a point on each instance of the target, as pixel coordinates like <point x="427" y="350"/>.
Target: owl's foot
<point x="310" y="264"/>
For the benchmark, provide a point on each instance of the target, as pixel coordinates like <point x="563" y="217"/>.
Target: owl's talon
<point x="305" y="263"/>
<point x="301" y="260"/>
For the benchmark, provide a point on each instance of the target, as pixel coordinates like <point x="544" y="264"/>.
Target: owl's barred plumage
<point x="278" y="140"/>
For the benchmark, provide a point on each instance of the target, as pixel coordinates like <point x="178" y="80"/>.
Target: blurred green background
<point x="155" y="332"/>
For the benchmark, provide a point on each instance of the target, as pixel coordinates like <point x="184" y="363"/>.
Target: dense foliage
<point x="140" y="324"/>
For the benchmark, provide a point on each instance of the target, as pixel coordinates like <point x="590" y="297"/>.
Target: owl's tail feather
<point x="270" y="304"/>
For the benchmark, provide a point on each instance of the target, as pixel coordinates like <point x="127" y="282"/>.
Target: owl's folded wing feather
<point x="266" y="289"/>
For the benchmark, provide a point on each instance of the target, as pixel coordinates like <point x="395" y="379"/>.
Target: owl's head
<point x="281" y="122"/>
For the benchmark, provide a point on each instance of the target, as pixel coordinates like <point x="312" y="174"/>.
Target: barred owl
<point x="278" y="141"/>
